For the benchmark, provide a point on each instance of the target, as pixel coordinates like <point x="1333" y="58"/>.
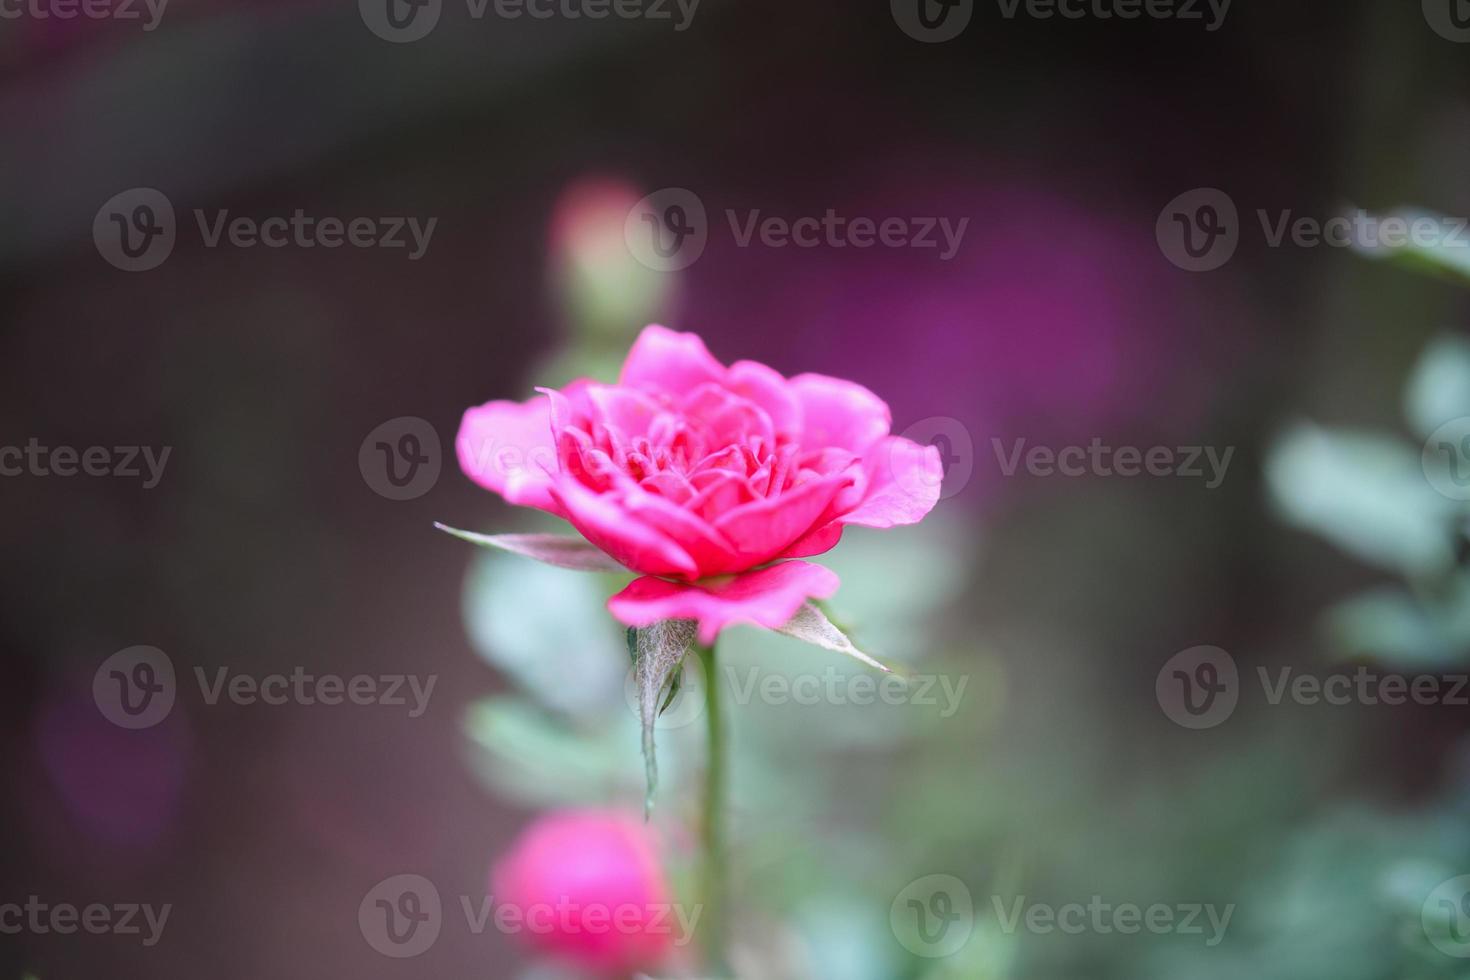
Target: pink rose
<point x="706" y="479"/>
<point x="588" y="886"/>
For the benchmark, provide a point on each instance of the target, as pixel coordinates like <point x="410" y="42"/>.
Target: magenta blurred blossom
<point x="587" y="221"/>
<point x="1057" y="318"/>
<point x="120" y="786"/>
<point x="589" y="887"/>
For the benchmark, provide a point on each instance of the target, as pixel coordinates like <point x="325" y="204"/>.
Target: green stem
<point x="712" y="827"/>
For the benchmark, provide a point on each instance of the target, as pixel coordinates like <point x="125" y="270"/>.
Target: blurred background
<point x="269" y="544"/>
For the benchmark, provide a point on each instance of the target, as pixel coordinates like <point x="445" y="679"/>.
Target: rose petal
<point x="768" y="597"/>
<point x="823" y="539"/>
<point x="507" y="447"/>
<point x="606" y="523"/>
<point x="903" y="484"/>
<point x="626" y="410"/>
<point x="709" y="548"/>
<point x="765" y="387"/>
<point x="664" y="360"/>
<point x="839" y="413"/>
<point x="761" y="529"/>
<point x="728" y="417"/>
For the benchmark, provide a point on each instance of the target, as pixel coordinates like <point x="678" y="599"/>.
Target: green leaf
<point x="547" y="629"/>
<point x="660" y="650"/>
<point x="1439" y="389"/>
<point x="525" y="753"/>
<point x="811" y="625"/>
<point x="1366" y="494"/>
<point x="561" y="550"/>
<point x="1392" y="626"/>
<point x="675" y="684"/>
<point x="1447" y="255"/>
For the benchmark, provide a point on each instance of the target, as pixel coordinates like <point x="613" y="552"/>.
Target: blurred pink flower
<point x="697" y="475"/>
<point x="121" y="787"/>
<point x="587" y="222"/>
<point x="588" y="886"/>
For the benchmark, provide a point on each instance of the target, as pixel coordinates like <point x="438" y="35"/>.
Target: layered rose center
<point x="709" y="452"/>
<point x="744" y="490"/>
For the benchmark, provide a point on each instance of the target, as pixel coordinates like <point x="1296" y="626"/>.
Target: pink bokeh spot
<point x="121" y="787"/>
<point x="588" y="886"/>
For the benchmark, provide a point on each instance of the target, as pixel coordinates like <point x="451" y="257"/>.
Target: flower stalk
<point x="713" y="878"/>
